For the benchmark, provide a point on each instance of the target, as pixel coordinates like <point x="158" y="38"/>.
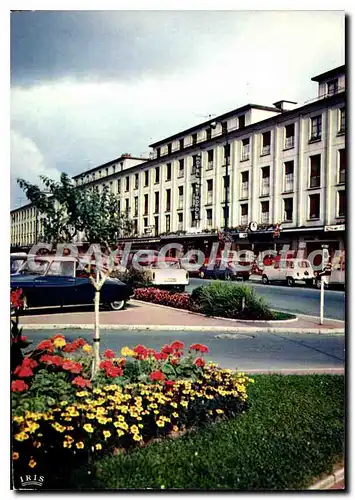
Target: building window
<point x="341" y="120"/>
<point x="157" y="175"/>
<point x="209" y="159"/>
<point x="227" y="153"/>
<point x="265" y="181"/>
<point x="315" y="166"/>
<point x="288" y="185"/>
<point x="135" y="206"/>
<point x="167" y="223"/>
<point x="168" y="172"/>
<point x="180" y="221"/>
<point x="241" y="121"/>
<point x="121" y="165"/>
<point x="156" y="201"/>
<point x="245" y="149"/>
<point x="136" y="181"/>
<point x="194" y="139"/>
<point x="168" y="200"/>
<point x="225" y="188"/>
<point x="341" y="166"/>
<point x="181" y="198"/>
<point x="193" y="220"/>
<point x="158" y="152"/>
<point x="209" y="191"/>
<point x="314" y="206"/>
<point x="156" y="226"/>
<point x="265" y="212"/>
<point x="224" y="127"/>
<point x="332" y="87"/>
<point x="288" y="209"/>
<point x="146" y="204"/>
<point x="127" y="183"/>
<point x="135" y="226"/>
<point x="118" y="186"/>
<point x="244" y="214"/>
<point x="266" y="143"/>
<point x="169" y="149"/>
<point x="244" y="191"/>
<point x="290" y="136"/>
<point x="208" y="134"/>
<point x="341" y="204"/>
<point x="146" y="178"/>
<point x="316" y="128"/>
<point x="181" y="168"/>
<point x="145" y="224"/>
<point x="209" y="217"/>
<point x="127" y="205"/>
<point x="181" y="143"/>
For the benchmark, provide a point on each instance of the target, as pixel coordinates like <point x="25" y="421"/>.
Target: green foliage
<point x="132" y="276"/>
<point x="227" y="300"/>
<point x="67" y="210"/>
<point x="293" y="433"/>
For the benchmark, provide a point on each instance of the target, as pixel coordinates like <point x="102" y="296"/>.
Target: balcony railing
<point x="209" y="165"/>
<point x="245" y="153"/>
<point x="244" y="192"/>
<point x="180" y="173"/>
<point x="314" y="181"/>
<point x="290" y="142"/>
<point x="265" y="186"/>
<point x="209" y="198"/>
<point x="266" y="150"/>
<point x="180" y="226"/>
<point x="265" y="217"/>
<point x="289" y="182"/>
<point x="288" y="216"/>
<point x="244" y="220"/>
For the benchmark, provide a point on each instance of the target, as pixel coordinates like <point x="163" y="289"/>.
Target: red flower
<point x="175" y="361"/>
<point x="157" y="375"/>
<point x="199" y="362"/>
<point x="169" y="383"/>
<point x="199" y="347"/>
<point x="81" y="382"/>
<point x="18" y="386"/>
<point x="23" y="371"/>
<point x="109" y="354"/>
<point x="78" y="343"/>
<point x="114" y="371"/>
<point x="58" y="336"/>
<point x="167" y="349"/>
<point x="29" y="362"/>
<point x="69" y="347"/>
<point x="52" y="360"/>
<point x="15" y="299"/>
<point x="72" y="366"/>
<point x="106" y="364"/>
<point x="45" y="345"/>
<point x="177" y="345"/>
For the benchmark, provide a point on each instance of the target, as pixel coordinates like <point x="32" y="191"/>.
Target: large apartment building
<point x="284" y="163"/>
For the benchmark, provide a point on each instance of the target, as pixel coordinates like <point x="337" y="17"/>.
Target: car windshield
<point x="34" y="267"/>
<point x="303" y="264"/>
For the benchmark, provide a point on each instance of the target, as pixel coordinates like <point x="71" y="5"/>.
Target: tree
<point x="67" y="212"/>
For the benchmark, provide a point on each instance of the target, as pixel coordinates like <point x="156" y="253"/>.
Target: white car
<point x="170" y="276"/>
<point x="289" y="270"/>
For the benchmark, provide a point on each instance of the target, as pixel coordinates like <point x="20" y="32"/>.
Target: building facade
<point x="282" y="164"/>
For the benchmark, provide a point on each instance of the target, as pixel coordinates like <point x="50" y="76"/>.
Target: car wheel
<point x="201" y="274"/>
<point x="117" y="305"/>
<point x="290" y="281"/>
<point x="265" y="279"/>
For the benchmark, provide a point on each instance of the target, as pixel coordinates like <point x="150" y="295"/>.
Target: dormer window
<point x="194" y="139"/>
<point x="224" y="127"/>
<point x="158" y="152"/>
<point x="169" y="149"/>
<point x="332" y="87"/>
<point x="241" y="121"/>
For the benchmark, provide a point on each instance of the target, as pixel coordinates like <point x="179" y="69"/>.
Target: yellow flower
<point x="82" y="394"/>
<point x="102" y="420"/>
<point x="175" y="414"/>
<point x="121" y="418"/>
<point x="160" y="423"/>
<point x="219" y="411"/>
<point x="58" y="427"/>
<point x="175" y="428"/>
<point x="21" y="436"/>
<point x="37" y="444"/>
<point x="126" y="351"/>
<point x="66" y="444"/>
<point x="59" y="343"/>
<point x="79" y="445"/>
<point x="91" y="416"/>
<point x="134" y="429"/>
<point x="98" y="446"/>
<point x="88" y="428"/>
<point x="140" y="426"/>
<point x="120" y="432"/>
<point x="97" y="391"/>
<point x="64" y="403"/>
<point x="174" y="405"/>
<point x="137" y="437"/>
<point x="87" y="348"/>
<point x="184" y="403"/>
<point x="15" y="455"/>
<point x="18" y="419"/>
<point x="32" y="463"/>
<point x="107" y="434"/>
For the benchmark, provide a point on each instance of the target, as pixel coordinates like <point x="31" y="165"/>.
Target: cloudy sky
<point x="89" y="86"/>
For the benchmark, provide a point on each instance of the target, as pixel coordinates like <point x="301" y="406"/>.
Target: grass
<point x="292" y="433"/>
<point x="278" y="315"/>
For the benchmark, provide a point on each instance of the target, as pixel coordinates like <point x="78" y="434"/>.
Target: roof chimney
<point x="285" y="105"/>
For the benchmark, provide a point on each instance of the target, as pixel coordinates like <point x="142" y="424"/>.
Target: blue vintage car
<point x="62" y="281"/>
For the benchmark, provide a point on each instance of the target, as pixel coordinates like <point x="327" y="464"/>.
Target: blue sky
<point x="89" y="86"/>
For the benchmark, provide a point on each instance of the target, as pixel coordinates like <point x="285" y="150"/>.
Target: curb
<point x="231" y="329"/>
<point x="329" y="481"/>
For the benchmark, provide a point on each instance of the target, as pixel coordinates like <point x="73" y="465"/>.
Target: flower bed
<point x="225" y="300"/>
<point x="63" y="416"/>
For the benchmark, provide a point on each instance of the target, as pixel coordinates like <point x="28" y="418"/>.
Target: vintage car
<point x="289" y="270"/>
<point x="225" y="270"/>
<point x="63" y="281"/>
<point x="16" y="261"/>
<point x="167" y="274"/>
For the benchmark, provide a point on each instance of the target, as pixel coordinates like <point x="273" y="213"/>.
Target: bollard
<point x="322" y="300"/>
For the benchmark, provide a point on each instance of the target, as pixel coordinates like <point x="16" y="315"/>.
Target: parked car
<point x="62" y="281"/>
<point x="16" y="261"/>
<point x="289" y="270"/>
<point x="225" y="270"/>
<point x="170" y="276"/>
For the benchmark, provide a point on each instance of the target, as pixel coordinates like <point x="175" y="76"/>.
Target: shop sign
<point x="337" y="227"/>
<point x="197" y="197"/>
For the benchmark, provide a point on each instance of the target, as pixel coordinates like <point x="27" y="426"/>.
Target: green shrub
<point x="231" y="301"/>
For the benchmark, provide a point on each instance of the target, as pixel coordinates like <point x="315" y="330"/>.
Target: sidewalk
<point x="148" y="315"/>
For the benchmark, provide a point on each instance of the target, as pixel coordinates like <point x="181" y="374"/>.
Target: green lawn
<point x="292" y="433"/>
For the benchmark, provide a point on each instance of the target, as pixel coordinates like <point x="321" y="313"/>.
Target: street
<point x="298" y="299"/>
<point x="254" y="351"/>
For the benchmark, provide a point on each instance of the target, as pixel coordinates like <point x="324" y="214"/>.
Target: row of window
<point x="24" y="214"/>
<point x="288" y="214"/>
